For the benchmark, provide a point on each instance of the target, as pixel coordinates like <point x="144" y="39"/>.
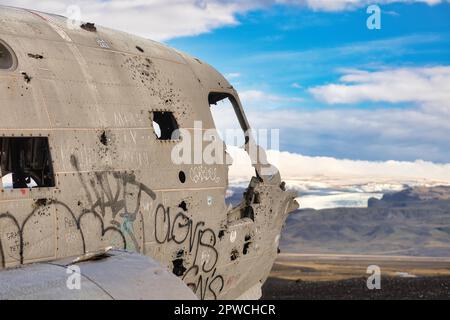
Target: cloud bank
<point x="423" y="86"/>
<point x="167" y="19"/>
<point x="295" y="166"/>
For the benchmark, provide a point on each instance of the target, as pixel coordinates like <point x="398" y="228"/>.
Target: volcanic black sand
<point x="350" y="289"/>
<point x="316" y="277"/>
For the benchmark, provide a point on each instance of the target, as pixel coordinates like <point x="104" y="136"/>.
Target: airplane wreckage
<point x="88" y="181"/>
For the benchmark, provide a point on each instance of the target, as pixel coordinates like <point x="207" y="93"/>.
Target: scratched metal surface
<point x="122" y="276"/>
<point x="126" y="193"/>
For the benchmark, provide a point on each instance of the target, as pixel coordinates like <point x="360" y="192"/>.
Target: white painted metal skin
<point x="93" y="92"/>
<point x="120" y="276"/>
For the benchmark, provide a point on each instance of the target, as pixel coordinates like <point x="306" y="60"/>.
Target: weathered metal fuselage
<point x="93" y="93"/>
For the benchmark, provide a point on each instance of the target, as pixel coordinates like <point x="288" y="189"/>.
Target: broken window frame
<point x="243" y="211"/>
<point x="215" y="97"/>
<point x="29" y="162"/>
<point x="12" y="55"/>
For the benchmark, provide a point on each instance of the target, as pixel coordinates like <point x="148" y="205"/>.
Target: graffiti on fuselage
<point x="115" y="200"/>
<point x="200" y="242"/>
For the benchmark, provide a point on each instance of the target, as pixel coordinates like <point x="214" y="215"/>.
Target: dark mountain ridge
<point x="415" y="221"/>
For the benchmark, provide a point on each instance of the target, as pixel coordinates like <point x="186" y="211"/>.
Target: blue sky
<point x="284" y="51"/>
<point x="282" y="45"/>
<point x="312" y="68"/>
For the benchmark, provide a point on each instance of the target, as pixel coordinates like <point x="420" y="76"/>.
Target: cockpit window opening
<point x="8" y="59"/>
<point x="216" y="97"/>
<point x="225" y="109"/>
<point x="26" y="163"/>
<point x="165" y="125"/>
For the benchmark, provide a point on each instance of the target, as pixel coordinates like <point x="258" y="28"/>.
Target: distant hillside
<point x="415" y="221"/>
<point x="412" y="197"/>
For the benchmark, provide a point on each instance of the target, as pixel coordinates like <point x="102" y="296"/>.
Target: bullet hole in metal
<point x="182" y="176"/>
<point x="88" y="26"/>
<point x="26" y="77"/>
<point x="234" y="255"/>
<point x="104" y="138"/>
<point x="36" y="56"/>
<point x="183" y="206"/>
<point x="180" y="253"/>
<point x="178" y="267"/>
<point x="40" y="202"/>
<point x="246" y="247"/>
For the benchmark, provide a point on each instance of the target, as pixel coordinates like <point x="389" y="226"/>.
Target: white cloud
<point x="166" y="19"/>
<point x="232" y="75"/>
<point x="424" y="86"/>
<point x="419" y="131"/>
<point x="155" y="19"/>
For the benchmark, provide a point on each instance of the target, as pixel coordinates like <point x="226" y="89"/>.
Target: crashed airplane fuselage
<point x="87" y="170"/>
